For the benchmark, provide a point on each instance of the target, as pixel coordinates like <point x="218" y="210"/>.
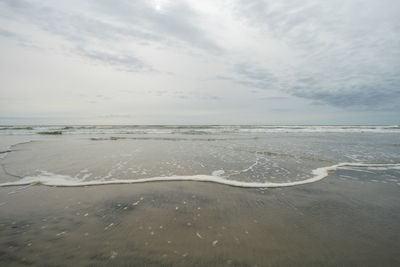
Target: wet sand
<point x="338" y="221"/>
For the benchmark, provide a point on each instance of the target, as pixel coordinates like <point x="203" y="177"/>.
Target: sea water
<point x="244" y="156"/>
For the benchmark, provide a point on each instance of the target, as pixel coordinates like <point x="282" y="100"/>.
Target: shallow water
<point x="248" y="156"/>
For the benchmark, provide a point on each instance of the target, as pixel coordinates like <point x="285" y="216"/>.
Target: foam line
<point x="50" y="179"/>
<point x="4" y="153"/>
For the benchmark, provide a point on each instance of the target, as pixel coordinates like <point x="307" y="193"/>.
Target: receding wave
<point x="51" y="179"/>
<point x="115" y="138"/>
<point x="191" y="132"/>
<point x="275" y="154"/>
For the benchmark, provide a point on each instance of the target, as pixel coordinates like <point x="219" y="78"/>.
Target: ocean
<point x="244" y="156"/>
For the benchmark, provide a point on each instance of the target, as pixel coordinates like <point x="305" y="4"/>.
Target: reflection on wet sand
<point x="344" y="220"/>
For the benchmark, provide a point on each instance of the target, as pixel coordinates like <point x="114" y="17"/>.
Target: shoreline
<point x="336" y="221"/>
<point x="50" y="179"/>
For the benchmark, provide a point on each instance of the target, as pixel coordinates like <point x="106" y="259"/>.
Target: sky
<point x="200" y="62"/>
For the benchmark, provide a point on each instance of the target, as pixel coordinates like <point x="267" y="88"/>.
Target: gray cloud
<point x="124" y="62"/>
<point x="180" y="94"/>
<point x="356" y="98"/>
<point x="115" y="116"/>
<point x="20" y="40"/>
<point x="250" y="76"/>
<point x="346" y="55"/>
<point x="255" y="77"/>
<point x="5" y="33"/>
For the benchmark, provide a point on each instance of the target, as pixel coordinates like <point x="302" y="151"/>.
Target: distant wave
<point x="51" y="179"/>
<point x="192" y="129"/>
<point x="15" y="128"/>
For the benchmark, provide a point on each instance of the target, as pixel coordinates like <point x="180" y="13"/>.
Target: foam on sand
<point x="51" y="179"/>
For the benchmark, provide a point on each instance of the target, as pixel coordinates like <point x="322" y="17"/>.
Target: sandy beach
<point x="200" y="133"/>
<point x="334" y="222"/>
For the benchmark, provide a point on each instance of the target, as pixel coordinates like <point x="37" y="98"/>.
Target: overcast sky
<point x="200" y="62"/>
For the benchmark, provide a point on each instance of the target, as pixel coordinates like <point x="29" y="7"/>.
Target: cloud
<point x="114" y="116"/>
<point x="124" y="62"/>
<point x="5" y="33"/>
<point x="220" y="55"/>
<point x="20" y="40"/>
<point x="360" y="98"/>
<point x="255" y="77"/>
<point x="178" y="22"/>
<point x="112" y="21"/>
<point x="343" y="55"/>
<point x="250" y="76"/>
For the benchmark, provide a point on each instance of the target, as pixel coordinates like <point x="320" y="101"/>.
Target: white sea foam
<point x="51" y="179"/>
<point x="218" y="173"/>
<point x="4" y="153"/>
